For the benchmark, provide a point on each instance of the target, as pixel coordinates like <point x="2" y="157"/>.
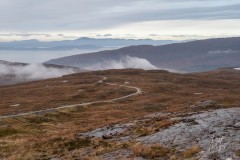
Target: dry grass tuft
<point x="150" y="151"/>
<point x="8" y="132"/>
<point x="163" y="124"/>
<point x="190" y="152"/>
<point x="76" y="144"/>
<point x="238" y="152"/>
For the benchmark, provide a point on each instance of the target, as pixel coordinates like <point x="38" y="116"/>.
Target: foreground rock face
<point x="217" y="133"/>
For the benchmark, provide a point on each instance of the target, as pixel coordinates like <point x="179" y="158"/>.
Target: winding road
<point x="138" y="91"/>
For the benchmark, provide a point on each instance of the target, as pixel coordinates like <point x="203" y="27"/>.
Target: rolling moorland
<point x="123" y="114"/>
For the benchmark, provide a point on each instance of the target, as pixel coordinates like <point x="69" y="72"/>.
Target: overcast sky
<point x="156" y="19"/>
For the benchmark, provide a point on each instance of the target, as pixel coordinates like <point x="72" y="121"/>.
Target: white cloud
<point x="124" y="62"/>
<point x="32" y="71"/>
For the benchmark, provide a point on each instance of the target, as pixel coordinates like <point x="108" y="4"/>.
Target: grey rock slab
<point x="216" y="133"/>
<point x="107" y="132"/>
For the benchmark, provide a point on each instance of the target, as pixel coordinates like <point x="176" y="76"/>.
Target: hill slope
<point x="184" y="114"/>
<point x="198" y="55"/>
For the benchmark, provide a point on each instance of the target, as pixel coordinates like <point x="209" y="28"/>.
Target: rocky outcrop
<point x="217" y="133"/>
<point x="205" y="104"/>
<point x="106" y="132"/>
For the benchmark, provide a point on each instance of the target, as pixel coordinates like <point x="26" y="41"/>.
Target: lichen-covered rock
<point x="216" y="133"/>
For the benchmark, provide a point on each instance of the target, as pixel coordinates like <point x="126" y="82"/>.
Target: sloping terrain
<point x="201" y="55"/>
<point x="125" y="128"/>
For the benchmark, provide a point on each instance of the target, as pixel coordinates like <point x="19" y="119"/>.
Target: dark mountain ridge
<point x="200" y="55"/>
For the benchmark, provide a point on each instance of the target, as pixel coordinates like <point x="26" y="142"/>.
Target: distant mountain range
<point x="81" y="43"/>
<point x="194" y="56"/>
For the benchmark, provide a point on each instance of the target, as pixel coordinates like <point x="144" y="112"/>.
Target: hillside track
<point x="102" y="81"/>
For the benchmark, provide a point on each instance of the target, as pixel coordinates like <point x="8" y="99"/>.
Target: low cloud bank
<point x="32" y="71"/>
<point x="237" y="68"/>
<point x="125" y="62"/>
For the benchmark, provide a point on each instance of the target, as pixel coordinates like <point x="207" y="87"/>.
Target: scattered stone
<point x="55" y="158"/>
<point x="198" y="93"/>
<point x="176" y="119"/>
<point x="237" y="125"/>
<point x="205" y="104"/>
<point x="106" y="132"/>
<point x="106" y="136"/>
<point x="15" y="105"/>
<point x="155" y="115"/>
<point x="118" y="154"/>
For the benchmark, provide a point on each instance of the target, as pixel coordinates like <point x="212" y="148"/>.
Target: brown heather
<point x="53" y="133"/>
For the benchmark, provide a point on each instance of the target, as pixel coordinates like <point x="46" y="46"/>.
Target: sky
<point x="48" y="20"/>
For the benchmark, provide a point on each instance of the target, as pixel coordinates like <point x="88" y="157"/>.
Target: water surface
<point x="39" y="56"/>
